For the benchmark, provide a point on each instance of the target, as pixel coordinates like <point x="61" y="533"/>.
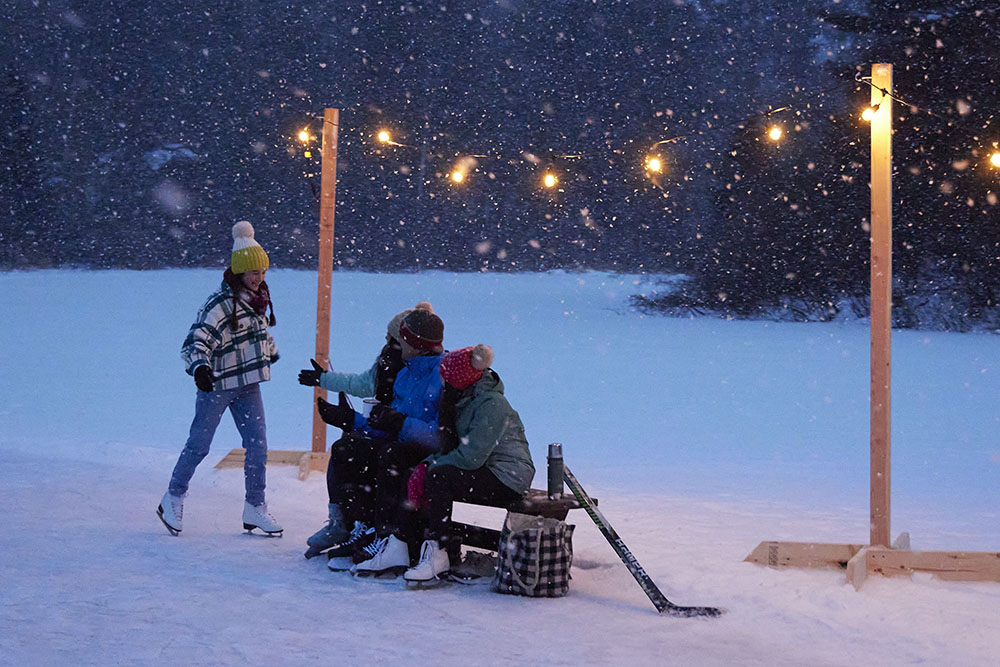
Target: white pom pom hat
<point x="247" y="253"/>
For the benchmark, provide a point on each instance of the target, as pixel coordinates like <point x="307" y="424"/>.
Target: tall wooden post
<point x="879" y="556"/>
<point x="881" y="302"/>
<point x="328" y="191"/>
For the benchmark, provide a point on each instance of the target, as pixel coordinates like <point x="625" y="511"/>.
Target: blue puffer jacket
<point x="417" y="394"/>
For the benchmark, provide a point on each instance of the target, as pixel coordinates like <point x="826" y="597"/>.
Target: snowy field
<point x="700" y="437"/>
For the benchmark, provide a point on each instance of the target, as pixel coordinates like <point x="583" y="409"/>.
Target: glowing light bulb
<point x="774" y="133"/>
<point x="384" y="137"/>
<point x="654" y="164"/>
<point x="549" y="179"/>
<point x="869" y="114"/>
<point x="995" y="159"/>
<point x="304" y="136"/>
<point x="457" y="176"/>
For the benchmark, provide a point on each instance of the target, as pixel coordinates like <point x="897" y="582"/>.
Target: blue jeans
<point x="247" y="408"/>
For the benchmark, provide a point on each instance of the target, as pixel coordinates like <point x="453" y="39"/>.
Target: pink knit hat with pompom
<point x="463" y="368"/>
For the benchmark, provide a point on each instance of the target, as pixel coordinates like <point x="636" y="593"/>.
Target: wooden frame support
<point x="803" y="554"/>
<point x="306" y="461"/>
<point x="861" y="560"/>
<point x="947" y="565"/>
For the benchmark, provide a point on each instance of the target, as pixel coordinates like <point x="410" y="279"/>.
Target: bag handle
<point x="538" y="562"/>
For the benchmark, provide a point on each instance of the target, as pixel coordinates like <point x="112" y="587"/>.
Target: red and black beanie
<point x="463" y="368"/>
<point x="423" y="330"/>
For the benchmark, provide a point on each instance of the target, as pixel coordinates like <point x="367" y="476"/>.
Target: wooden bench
<point x="535" y="502"/>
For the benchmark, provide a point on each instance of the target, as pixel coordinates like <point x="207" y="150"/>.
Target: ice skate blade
<point x="340" y="564"/>
<point x="469" y="581"/>
<point x="426" y="584"/>
<point x="312" y="552"/>
<point x="173" y="531"/>
<point x="264" y="533"/>
<point x="388" y="574"/>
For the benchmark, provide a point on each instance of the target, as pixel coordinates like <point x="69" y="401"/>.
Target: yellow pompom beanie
<point x="247" y="253"/>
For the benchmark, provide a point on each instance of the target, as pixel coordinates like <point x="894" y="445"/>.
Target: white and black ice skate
<point x="341" y="557"/>
<point x="171" y="513"/>
<point x="257" y="516"/>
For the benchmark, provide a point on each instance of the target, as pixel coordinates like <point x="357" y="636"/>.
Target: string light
<point x="869" y="113"/>
<point x="654" y="163"/>
<point x="304" y="137"/>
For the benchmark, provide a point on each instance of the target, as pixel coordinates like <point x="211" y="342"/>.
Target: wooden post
<point x="879" y="557"/>
<point x="328" y="191"/>
<point x="881" y="302"/>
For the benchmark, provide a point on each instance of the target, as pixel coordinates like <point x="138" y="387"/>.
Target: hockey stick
<point x="662" y="604"/>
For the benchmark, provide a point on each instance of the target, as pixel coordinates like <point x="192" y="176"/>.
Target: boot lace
<point x="426" y="552"/>
<point x="359" y="529"/>
<point x="372" y="549"/>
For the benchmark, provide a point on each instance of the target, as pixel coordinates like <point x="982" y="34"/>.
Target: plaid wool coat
<point x="237" y="358"/>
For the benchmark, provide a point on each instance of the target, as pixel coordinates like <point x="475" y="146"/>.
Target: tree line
<point x="137" y="148"/>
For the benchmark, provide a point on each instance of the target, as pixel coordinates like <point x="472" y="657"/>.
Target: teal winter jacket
<point x="355" y="384"/>
<point x="490" y="433"/>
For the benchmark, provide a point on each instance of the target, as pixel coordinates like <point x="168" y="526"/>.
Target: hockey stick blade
<point x="659" y="600"/>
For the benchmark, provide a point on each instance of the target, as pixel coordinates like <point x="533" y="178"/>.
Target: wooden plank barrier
<point x="306" y="461"/>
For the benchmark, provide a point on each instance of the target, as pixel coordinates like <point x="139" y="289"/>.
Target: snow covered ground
<point x="700" y="437"/>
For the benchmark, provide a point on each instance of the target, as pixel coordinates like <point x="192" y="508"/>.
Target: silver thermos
<point x="555" y="471"/>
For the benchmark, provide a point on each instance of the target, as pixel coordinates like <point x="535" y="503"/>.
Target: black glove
<point x="386" y="419"/>
<point x="390" y="362"/>
<point x="340" y="415"/>
<point x="203" y="378"/>
<point x="310" y="378"/>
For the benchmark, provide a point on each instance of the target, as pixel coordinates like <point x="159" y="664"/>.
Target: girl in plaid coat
<point x="229" y="352"/>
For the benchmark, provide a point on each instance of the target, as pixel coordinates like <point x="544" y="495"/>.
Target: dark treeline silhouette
<point x="791" y="236"/>
<point x="135" y="135"/>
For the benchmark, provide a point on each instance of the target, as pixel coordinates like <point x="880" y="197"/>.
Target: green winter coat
<point x="490" y="433"/>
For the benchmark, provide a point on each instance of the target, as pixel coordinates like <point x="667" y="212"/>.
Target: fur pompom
<point x="242" y="229"/>
<point x="481" y="357"/>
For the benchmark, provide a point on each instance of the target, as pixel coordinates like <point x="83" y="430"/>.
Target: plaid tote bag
<point x="534" y="556"/>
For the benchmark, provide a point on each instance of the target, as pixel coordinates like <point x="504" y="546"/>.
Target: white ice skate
<point x="389" y="557"/>
<point x="258" y="517"/>
<point x="433" y="563"/>
<point x="171" y="513"/>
